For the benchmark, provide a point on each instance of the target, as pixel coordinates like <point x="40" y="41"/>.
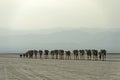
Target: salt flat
<point x="14" y="68"/>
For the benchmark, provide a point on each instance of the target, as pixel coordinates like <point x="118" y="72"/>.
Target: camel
<point x="30" y="53"/>
<point x="40" y="53"/>
<point x="68" y="55"/>
<point x="24" y="55"/>
<point x="35" y="53"/>
<point x="52" y="54"/>
<point x="46" y="54"/>
<point x="100" y="55"/>
<point x="82" y="52"/>
<point x="88" y="54"/>
<point x="95" y="54"/>
<point x="75" y="54"/>
<point x="56" y="53"/>
<point x="103" y="54"/>
<point x="61" y="54"/>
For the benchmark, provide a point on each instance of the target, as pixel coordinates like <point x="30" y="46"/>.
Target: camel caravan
<point x="66" y="55"/>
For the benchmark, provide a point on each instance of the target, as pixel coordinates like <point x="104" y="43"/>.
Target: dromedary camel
<point x="61" y="54"/>
<point x="35" y="53"/>
<point x="102" y="54"/>
<point x="26" y="54"/>
<point x="82" y="56"/>
<point x="75" y="52"/>
<point x="46" y="52"/>
<point x="95" y="54"/>
<point x="68" y="55"/>
<point x="52" y="54"/>
<point x="88" y="54"/>
<point x="40" y="53"/>
<point x="56" y="53"/>
<point x="30" y="53"/>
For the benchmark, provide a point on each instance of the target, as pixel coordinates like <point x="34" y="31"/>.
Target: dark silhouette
<point x="20" y="55"/>
<point x="52" y="54"/>
<point x="35" y="53"/>
<point x="95" y="54"/>
<point x="82" y="56"/>
<point x="46" y="52"/>
<point x="75" y="52"/>
<point x="88" y="54"/>
<point x="103" y="54"/>
<point x="30" y="53"/>
<point x="24" y="55"/>
<point x="68" y="55"/>
<point x="40" y="53"/>
<point x="56" y="53"/>
<point x="61" y="54"/>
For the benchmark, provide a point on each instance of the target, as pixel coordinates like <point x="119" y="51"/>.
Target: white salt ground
<point x="14" y="68"/>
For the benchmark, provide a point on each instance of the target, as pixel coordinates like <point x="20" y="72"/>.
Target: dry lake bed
<point x="14" y="68"/>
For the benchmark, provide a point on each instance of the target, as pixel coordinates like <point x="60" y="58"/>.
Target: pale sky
<point x="19" y="18"/>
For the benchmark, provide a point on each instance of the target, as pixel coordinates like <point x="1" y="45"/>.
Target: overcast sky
<point x="43" y="24"/>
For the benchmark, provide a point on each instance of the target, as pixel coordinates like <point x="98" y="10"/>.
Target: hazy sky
<point x="23" y="23"/>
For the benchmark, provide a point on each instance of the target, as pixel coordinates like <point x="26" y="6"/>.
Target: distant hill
<point x="65" y="39"/>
